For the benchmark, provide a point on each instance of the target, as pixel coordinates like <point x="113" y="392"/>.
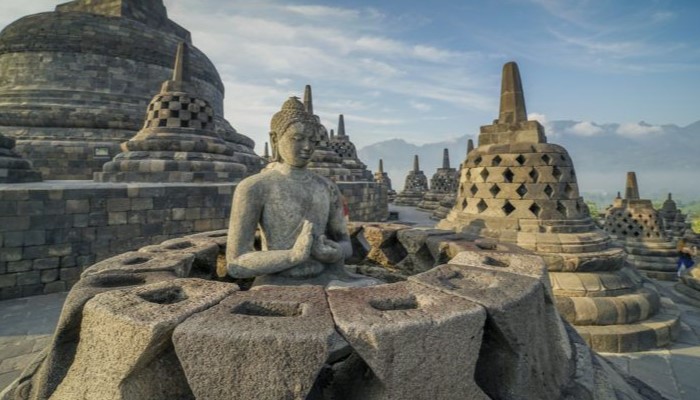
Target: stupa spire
<point x="180" y="80"/>
<point x="416" y="167"/>
<point x="308" y="101"/>
<point x="631" y="187"/>
<point x="470" y="146"/>
<point x="381" y="166"/>
<point x="332" y="133"/>
<point x="341" y="125"/>
<point x="267" y="151"/>
<point x="181" y="70"/>
<point x="445" y="159"/>
<point x="670" y="197"/>
<point x="512" y="108"/>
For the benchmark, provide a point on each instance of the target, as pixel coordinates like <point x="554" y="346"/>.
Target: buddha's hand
<point x="302" y="247"/>
<point x="326" y="250"/>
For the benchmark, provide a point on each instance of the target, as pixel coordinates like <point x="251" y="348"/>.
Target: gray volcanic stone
<point x="41" y="381"/>
<point x="271" y="343"/>
<point x="204" y="250"/>
<point x="138" y="261"/>
<point x="521" y="348"/>
<point x="125" y="351"/>
<point x="413" y="338"/>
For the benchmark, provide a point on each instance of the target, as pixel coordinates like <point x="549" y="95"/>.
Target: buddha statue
<point x="304" y="236"/>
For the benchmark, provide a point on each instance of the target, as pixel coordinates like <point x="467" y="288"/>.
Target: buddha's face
<point x="297" y="144"/>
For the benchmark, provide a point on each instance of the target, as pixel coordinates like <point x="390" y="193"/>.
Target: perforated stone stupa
<point x="443" y="183"/>
<point x="324" y="161"/>
<point x="636" y="225"/>
<point x="448" y="201"/>
<point x="675" y="222"/>
<point x="515" y="187"/>
<point x="14" y="168"/>
<point x="341" y="144"/>
<point x="383" y="178"/>
<point x="76" y="81"/>
<point x="415" y="187"/>
<point x="178" y="142"/>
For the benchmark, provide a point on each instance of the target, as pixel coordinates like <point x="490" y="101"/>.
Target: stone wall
<point x="367" y="201"/>
<point x="50" y="231"/>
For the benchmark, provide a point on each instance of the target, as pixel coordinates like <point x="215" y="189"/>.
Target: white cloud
<point x="420" y="106"/>
<point x="585" y="128"/>
<point x="324" y="12"/>
<point x="637" y="129"/>
<point x="283" y="81"/>
<point x="544" y="121"/>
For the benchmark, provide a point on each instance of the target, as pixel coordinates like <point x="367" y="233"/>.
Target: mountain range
<point x="666" y="158"/>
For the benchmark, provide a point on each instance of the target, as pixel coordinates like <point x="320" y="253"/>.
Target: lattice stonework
<point x="169" y="111"/>
<point x="640" y="224"/>
<point x="537" y="184"/>
<point x="345" y="149"/>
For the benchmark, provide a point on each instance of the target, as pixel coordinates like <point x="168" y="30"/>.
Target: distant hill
<point x="666" y="158"/>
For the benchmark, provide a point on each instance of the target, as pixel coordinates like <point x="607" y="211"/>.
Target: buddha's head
<point x="293" y="134"/>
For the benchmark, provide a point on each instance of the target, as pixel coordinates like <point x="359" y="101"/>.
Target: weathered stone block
<point x="409" y="335"/>
<point x="272" y="343"/>
<point x="142" y="364"/>
<point x="136" y="262"/>
<point x="523" y="348"/>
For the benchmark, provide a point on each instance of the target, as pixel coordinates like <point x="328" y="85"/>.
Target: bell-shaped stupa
<point x="638" y="227"/>
<point x="382" y="177"/>
<point x="14" y="168"/>
<point x="443" y="183"/>
<point x="515" y="187"/>
<point x="415" y="187"/>
<point x="178" y="142"/>
<point x="675" y="221"/>
<point x="324" y="161"/>
<point x="345" y="148"/>
<point x="448" y="201"/>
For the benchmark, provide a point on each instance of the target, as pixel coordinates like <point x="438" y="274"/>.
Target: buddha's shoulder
<point x="258" y="181"/>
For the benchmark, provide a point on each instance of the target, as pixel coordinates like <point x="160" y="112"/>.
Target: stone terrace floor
<point x="26" y="326"/>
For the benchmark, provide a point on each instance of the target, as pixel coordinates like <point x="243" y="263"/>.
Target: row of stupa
<point x="179" y="143"/>
<point x="90" y="126"/>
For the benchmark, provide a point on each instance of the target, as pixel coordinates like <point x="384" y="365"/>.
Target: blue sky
<point x="430" y="70"/>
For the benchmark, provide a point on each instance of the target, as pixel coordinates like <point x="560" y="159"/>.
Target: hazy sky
<point x="430" y="70"/>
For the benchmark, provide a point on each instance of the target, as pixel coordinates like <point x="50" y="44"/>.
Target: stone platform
<point x="459" y="324"/>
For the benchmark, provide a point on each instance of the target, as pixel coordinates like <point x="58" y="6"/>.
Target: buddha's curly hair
<point x="292" y="111"/>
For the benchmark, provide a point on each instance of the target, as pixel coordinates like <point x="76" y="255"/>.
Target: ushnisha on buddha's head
<point x="293" y="134"/>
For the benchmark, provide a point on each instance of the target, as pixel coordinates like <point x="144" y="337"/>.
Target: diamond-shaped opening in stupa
<point x="464" y="204"/>
<point x="546" y="159"/>
<point x="496" y="161"/>
<point x="477" y="161"/>
<point x="482" y="206"/>
<point x="534" y="175"/>
<point x="535" y="209"/>
<point x="556" y="172"/>
<point x="561" y="208"/>
<point x="548" y="191"/>
<point x="484" y="174"/>
<point x="508" y="208"/>
<point x="495" y="190"/>
<point x="521" y="190"/>
<point x="473" y="190"/>
<point x="508" y="175"/>
<point x="520" y="159"/>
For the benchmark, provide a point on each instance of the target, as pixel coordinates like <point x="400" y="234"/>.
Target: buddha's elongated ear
<point x="274" y="143"/>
